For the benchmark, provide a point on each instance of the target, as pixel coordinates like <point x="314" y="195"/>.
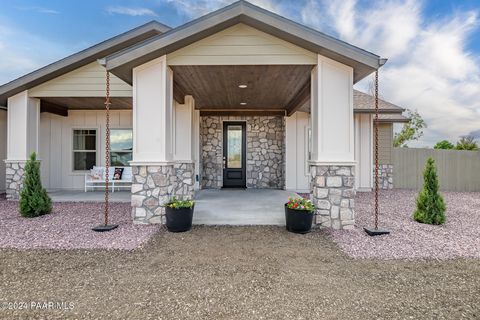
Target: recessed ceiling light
<point x="243" y="103"/>
<point x="242" y="86"/>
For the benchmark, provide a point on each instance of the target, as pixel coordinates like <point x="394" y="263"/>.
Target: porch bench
<point x="125" y="182"/>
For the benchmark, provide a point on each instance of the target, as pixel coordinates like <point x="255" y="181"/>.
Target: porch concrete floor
<point x="241" y="207"/>
<point x="91" y="196"/>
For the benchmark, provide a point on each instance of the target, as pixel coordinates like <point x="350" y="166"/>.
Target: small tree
<point x="411" y="131"/>
<point x="430" y="204"/>
<point x="467" y="143"/>
<point x="34" y="200"/>
<point x="444" y="144"/>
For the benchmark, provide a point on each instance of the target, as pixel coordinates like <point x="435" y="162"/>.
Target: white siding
<point x="296" y="153"/>
<point x="3" y="147"/>
<point x="56" y="139"/>
<point x="363" y="152"/>
<point x="241" y="45"/>
<point x="86" y="81"/>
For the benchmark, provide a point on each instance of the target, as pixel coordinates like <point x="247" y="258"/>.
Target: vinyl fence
<point x="457" y="170"/>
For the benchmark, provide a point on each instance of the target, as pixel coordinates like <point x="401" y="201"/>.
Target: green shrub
<point x="34" y="200"/>
<point x="430" y="204"/>
<point x="444" y="144"/>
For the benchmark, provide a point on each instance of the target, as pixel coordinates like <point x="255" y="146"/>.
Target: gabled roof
<point x="392" y="118"/>
<point x="363" y="62"/>
<point x="81" y="58"/>
<point x="365" y="103"/>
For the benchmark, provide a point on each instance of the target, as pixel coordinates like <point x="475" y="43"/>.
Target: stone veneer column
<point x="333" y="192"/>
<point x="154" y="185"/>
<point x="15" y="171"/>
<point x="385" y="176"/>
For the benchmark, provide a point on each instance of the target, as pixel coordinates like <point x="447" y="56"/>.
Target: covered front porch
<point x="212" y="207"/>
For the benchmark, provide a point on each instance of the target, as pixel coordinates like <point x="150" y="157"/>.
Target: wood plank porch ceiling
<point x="274" y="89"/>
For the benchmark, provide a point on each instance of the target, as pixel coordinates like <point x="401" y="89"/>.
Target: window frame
<point x="73" y="150"/>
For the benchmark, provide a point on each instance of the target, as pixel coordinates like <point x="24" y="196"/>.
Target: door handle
<point x="224" y="163"/>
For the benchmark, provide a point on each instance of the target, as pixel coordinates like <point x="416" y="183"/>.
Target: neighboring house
<point x="240" y="97"/>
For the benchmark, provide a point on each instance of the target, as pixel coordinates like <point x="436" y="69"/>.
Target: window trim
<point x="72" y="153"/>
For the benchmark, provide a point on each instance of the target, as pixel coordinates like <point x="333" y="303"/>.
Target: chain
<point x="376" y="150"/>
<point x="107" y="144"/>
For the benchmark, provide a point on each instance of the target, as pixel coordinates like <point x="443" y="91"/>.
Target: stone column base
<point x="385" y="176"/>
<point x="154" y="185"/>
<point x="333" y="193"/>
<point x="14" y="174"/>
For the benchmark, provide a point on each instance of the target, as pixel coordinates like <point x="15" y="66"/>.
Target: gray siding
<point x="385" y="143"/>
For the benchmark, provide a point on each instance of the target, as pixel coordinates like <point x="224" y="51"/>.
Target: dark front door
<point x="234" y="155"/>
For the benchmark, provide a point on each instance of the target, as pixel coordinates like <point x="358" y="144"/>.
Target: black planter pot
<point x="179" y="220"/>
<point x="298" y="221"/>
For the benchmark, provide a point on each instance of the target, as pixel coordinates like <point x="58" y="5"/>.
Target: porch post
<point x="23" y="121"/>
<point x="156" y="174"/>
<point x="332" y="164"/>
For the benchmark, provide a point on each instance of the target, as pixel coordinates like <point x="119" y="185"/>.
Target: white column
<point x="153" y="113"/>
<point x="196" y="146"/>
<point x="332" y="113"/>
<point x="291" y="152"/>
<point x="23" y="125"/>
<point x="184" y="130"/>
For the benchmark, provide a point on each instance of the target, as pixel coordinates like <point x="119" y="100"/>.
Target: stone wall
<point x="154" y="185"/>
<point x="385" y="176"/>
<point x="265" y="151"/>
<point x="333" y="193"/>
<point x="14" y="178"/>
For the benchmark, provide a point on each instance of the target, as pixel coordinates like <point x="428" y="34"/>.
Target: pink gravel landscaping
<point x="69" y="227"/>
<point x="458" y="238"/>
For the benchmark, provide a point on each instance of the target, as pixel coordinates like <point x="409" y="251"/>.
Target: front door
<point x="234" y="155"/>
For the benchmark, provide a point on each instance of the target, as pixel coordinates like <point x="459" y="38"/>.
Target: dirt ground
<point x="234" y="273"/>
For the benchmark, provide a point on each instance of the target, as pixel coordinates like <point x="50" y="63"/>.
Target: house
<point x="241" y="97"/>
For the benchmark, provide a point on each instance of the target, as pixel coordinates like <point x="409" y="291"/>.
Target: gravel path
<point x="236" y="273"/>
<point x="69" y="227"/>
<point x="459" y="237"/>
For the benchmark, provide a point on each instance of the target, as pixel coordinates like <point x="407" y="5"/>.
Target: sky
<point x="432" y="46"/>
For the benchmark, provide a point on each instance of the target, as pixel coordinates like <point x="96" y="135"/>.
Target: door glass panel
<point x="234" y="150"/>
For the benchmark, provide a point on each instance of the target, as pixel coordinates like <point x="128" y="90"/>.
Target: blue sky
<point x="433" y="46"/>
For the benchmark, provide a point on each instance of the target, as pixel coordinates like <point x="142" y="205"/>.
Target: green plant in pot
<point x="299" y="214"/>
<point x="179" y="214"/>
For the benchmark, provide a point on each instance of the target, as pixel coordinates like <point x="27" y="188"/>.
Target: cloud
<point x="39" y="10"/>
<point x="475" y="134"/>
<point x="131" y="11"/>
<point x="197" y="8"/>
<point x="23" y="52"/>
<point x="430" y="68"/>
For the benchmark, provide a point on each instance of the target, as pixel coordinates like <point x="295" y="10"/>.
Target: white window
<point x="84" y="149"/>
<point x="121" y="146"/>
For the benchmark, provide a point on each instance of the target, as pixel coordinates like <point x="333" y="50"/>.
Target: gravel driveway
<point x="69" y="227"/>
<point x="236" y="273"/>
<point x="459" y="237"/>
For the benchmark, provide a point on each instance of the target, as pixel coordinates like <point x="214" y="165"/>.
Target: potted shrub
<point x="299" y="215"/>
<point x="179" y="214"/>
